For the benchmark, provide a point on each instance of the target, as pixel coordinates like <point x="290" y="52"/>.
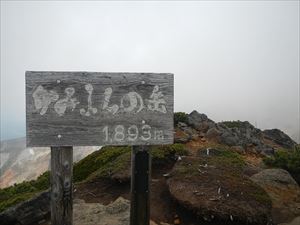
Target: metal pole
<point x="140" y="185"/>
<point x="61" y="185"/>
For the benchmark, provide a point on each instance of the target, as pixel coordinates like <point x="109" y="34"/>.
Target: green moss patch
<point x="163" y="153"/>
<point x="120" y="164"/>
<point x="180" y="117"/>
<point x="99" y="160"/>
<point x="235" y="123"/>
<point x="223" y="156"/>
<point x="20" y="192"/>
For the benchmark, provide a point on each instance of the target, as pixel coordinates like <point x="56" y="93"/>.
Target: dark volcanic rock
<point x="200" y="121"/>
<point x="242" y="134"/>
<point x="279" y="138"/>
<point x="230" y="138"/>
<point x="33" y="211"/>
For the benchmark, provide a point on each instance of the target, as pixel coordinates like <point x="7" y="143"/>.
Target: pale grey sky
<point x="234" y="60"/>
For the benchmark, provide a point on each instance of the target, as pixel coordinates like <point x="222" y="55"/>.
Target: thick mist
<point x="232" y="60"/>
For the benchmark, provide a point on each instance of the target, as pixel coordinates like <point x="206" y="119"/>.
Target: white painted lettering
<point x="107" y="95"/>
<point x="132" y="102"/>
<point x="90" y="110"/>
<point x="156" y="101"/>
<point x="68" y="102"/>
<point x="43" y="98"/>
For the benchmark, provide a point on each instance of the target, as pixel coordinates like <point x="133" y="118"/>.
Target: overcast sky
<point x="234" y="60"/>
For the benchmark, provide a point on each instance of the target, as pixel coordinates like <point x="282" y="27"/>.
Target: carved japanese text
<point x="132" y="102"/>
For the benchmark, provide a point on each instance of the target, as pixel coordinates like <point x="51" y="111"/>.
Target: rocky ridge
<point x="232" y="133"/>
<point x="216" y="175"/>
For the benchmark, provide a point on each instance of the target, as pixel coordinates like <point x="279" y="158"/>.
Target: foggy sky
<point x="231" y="60"/>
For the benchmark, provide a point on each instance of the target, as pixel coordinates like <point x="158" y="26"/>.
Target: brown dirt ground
<point x="163" y="208"/>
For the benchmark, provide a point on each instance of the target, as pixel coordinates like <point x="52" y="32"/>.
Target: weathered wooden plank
<point x="140" y="185"/>
<point x="81" y="108"/>
<point x="61" y="185"/>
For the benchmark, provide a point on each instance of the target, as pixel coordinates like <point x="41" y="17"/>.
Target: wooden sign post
<point x="61" y="185"/>
<point x="65" y="109"/>
<point x="140" y="185"/>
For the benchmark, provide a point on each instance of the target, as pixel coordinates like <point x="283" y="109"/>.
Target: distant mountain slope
<point x="18" y="163"/>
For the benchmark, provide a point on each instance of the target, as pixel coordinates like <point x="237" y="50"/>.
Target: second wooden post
<point x="140" y="185"/>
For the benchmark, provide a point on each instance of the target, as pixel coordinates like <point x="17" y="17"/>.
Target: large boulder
<point x="200" y="121"/>
<point x="284" y="192"/>
<point x="213" y="187"/>
<point x="279" y="138"/>
<point x="229" y="138"/>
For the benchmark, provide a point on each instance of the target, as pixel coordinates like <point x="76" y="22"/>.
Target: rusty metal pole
<point x="140" y="185"/>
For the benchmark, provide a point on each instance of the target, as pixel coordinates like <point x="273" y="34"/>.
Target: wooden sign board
<point x="87" y="108"/>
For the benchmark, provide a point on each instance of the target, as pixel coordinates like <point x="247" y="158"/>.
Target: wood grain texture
<point x="61" y="185"/>
<point x="140" y="185"/>
<point x="73" y="108"/>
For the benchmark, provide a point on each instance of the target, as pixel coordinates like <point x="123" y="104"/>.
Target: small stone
<point x="162" y="223"/>
<point x="177" y="221"/>
<point x="152" y="222"/>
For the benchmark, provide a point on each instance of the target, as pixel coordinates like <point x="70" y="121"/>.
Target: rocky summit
<point x="215" y="173"/>
<point x="233" y="133"/>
